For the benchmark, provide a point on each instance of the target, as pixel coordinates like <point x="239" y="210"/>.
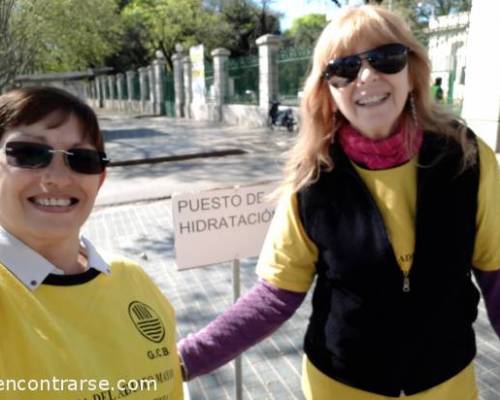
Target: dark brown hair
<point x="26" y="106"/>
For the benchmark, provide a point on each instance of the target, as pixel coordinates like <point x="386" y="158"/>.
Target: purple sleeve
<point x="489" y="282"/>
<point x="262" y="310"/>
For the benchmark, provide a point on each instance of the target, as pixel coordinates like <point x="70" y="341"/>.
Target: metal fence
<point x="136" y="88"/>
<point x="209" y="80"/>
<point x="294" y="66"/>
<point x="124" y="89"/>
<point x="106" y="94"/>
<point x="243" y="80"/>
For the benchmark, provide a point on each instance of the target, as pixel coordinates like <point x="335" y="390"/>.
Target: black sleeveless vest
<point x="365" y="331"/>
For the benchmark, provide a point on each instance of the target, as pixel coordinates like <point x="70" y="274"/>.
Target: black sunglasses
<point x="388" y="59"/>
<point x="37" y="155"/>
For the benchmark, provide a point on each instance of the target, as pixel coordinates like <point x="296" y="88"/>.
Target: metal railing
<point x="294" y="66"/>
<point x="242" y="80"/>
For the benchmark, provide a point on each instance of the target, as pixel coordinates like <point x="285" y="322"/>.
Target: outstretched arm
<point x="262" y="310"/>
<point x="489" y="282"/>
<point x="486" y="259"/>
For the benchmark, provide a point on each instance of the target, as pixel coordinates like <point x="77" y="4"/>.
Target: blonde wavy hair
<point x="319" y="121"/>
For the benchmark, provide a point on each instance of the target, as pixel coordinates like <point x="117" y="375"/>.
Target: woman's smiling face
<point x="374" y="101"/>
<point x="50" y="203"/>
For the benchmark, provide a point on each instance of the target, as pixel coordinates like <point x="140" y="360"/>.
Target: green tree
<point x="19" y="32"/>
<point x="245" y="21"/>
<point x="11" y="59"/>
<point x="305" y="30"/>
<point x="233" y="24"/>
<point x="132" y="49"/>
<point x="55" y="35"/>
<point x="168" y="22"/>
<point x="77" y="34"/>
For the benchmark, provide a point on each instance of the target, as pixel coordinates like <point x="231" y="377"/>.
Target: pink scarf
<point x="378" y="154"/>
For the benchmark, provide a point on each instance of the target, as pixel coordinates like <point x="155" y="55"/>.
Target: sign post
<point x="238" y="384"/>
<point x="238" y="217"/>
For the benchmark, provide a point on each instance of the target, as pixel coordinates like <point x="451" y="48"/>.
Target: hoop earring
<point x="413" y="108"/>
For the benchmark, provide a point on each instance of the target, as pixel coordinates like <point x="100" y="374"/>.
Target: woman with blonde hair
<point x="391" y="204"/>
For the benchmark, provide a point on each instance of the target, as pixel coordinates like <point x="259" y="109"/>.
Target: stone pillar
<point x="159" y="89"/>
<point x="188" y="96"/>
<point x="98" y="92"/>
<point x="481" y="107"/>
<point x="112" y="90"/>
<point x="220" y="57"/>
<point x="120" y="79"/>
<point x="91" y="89"/>
<point x="151" y="81"/>
<point x="268" y="69"/>
<point x="130" y="84"/>
<point x="178" y="84"/>
<point x="143" y="83"/>
<point x="87" y="91"/>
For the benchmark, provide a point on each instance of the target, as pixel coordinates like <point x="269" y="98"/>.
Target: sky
<point x="297" y="8"/>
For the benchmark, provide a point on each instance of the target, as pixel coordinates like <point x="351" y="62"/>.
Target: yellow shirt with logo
<point x="112" y="337"/>
<point x="288" y="259"/>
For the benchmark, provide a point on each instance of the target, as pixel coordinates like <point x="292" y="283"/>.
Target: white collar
<point x="31" y="268"/>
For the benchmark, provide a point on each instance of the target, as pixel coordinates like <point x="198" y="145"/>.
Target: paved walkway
<point x="143" y="231"/>
<point x="143" y="138"/>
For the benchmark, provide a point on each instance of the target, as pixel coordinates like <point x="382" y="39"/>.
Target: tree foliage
<point x="61" y="35"/>
<point x="233" y="24"/>
<point x="168" y="22"/>
<point x="247" y="21"/>
<point x="305" y="30"/>
<point x="77" y="34"/>
<point x="132" y="49"/>
<point x="19" y="37"/>
<point x="55" y="35"/>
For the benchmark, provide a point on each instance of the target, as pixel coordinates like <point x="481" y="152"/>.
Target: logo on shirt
<point x="147" y="321"/>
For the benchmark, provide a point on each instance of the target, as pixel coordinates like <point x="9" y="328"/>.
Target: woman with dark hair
<point x="75" y="323"/>
<point x="391" y="204"/>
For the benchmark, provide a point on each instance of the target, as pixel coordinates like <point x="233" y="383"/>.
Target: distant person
<point x="390" y="205"/>
<point x="437" y="90"/>
<point x="75" y="324"/>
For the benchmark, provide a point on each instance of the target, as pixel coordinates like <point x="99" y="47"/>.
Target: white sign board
<point x="221" y="225"/>
<point x="197" y="56"/>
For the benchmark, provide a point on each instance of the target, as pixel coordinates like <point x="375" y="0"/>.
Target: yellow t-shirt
<point x="288" y="258"/>
<point x="111" y="337"/>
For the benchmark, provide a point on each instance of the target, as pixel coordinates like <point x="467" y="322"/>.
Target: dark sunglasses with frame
<point x="387" y="59"/>
<point x="32" y="155"/>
